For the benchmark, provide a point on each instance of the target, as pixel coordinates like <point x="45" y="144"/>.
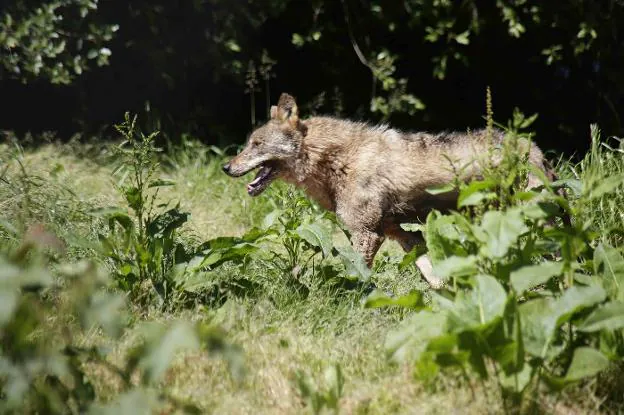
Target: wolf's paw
<point x="426" y="269"/>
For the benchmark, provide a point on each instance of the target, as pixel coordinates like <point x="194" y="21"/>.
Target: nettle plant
<point x="528" y="301"/>
<point x="142" y="237"/>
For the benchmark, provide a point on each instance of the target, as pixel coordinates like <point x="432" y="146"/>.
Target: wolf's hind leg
<point x="426" y="269"/>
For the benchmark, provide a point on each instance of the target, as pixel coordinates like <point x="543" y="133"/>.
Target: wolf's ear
<point x="286" y="110"/>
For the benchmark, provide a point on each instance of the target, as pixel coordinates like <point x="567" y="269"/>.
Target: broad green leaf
<point x="221" y="242"/>
<point x="474" y="187"/>
<point x="607" y="317"/>
<point x="426" y="369"/>
<point x="609" y="263"/>
<point x="443" y="236"/>
<point x="540" y="210"/>
<point x="517" y="382"/>
<point x="411" y="257"/>
<point x="271" y="218"/>
<point x="586" y="362"/>
<point x="115" y="214"/>
<point x="490" y="296"/>
<point x="575" y="299"/>
<point x="234" y="253"/>
<point x="410" y="339"/>
<point x="476" y="198"/>
<point x="575" y="185"/>
<point x="193" y="281"/>
<point x="378" y="299"/>
<point x="538" y="325"/>
<point x="255" y="234"/>
<point x="445" y="343"/>
<point x="479" y="307"/>
<point x="413" y="227"/>
<point x="317" y="235"/>
<point x="436" y="190"/>
<point x="501" y="231"/>
<point x="532" y="275"/>
<point x="133" y="197"/>
<point x="509" y="354"/>
<point x="163" y="224"/>
<point x="473" y="342"/>
<point x="540" y="317"/>
<point x="161" y="347"/>
<point x="456" y="266"/>
<point x="354" y="263"/>
<point x="161" y="183"/>
<point x="525" y="196"/>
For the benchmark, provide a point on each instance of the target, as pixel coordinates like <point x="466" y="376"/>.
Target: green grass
<point x="280" y="332"/>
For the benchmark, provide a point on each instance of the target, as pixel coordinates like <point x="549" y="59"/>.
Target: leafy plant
<point x="142" y="245"/>
<point x="296" y="241"/>
<point x="44" y="318"/>
<point x="305" y="232"/>
<point x="512" y="309"/>
<point x="324" y="394"/>
<point x="49" y="41"/>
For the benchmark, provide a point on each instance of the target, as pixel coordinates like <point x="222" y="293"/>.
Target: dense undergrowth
<point x="115" y="257"/>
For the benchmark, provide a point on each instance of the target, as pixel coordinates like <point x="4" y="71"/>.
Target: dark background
<point x="174" y="63"/>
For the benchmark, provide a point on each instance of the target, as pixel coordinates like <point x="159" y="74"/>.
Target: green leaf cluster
<point x="529" y="299"/>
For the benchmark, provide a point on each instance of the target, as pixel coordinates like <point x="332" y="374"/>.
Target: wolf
<point x="373" y="177"/>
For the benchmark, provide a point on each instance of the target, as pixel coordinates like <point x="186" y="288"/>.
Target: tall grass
<point x="284" y="336"/>
<point x="603" y="161"/>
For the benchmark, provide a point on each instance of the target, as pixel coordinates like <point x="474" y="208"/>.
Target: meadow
<point x="138" y="279"/>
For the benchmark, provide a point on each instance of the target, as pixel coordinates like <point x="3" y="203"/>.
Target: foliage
<point x="603" y="212"/>
<point x="279" y="290"/>
<point x="296" y="242"/>
<point x="143" y="245"/>
<point x="54" y="40"/>
<point x="186" y="65"/>
<point x="326" y="395"/>
<point x="46" y="312"/>
<point x="303" y="229"/>
<point x="512" y="309"/>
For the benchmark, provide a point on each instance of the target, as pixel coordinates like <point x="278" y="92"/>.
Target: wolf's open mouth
<point x="263" y="178"/>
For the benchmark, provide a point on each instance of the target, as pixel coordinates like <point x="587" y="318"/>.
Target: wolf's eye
<point x="255" y="143"/>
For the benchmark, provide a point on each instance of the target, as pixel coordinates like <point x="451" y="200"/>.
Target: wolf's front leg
<point x="367" y="243"/>
<point x="362" y="215"/>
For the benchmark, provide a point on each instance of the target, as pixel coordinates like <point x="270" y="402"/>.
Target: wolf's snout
<point x="226" y="168"/>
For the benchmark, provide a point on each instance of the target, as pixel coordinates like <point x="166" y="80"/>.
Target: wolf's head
<point x="270" y="147"/>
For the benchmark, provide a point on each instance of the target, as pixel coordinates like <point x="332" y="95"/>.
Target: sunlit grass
<point x="280" y="332"/>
